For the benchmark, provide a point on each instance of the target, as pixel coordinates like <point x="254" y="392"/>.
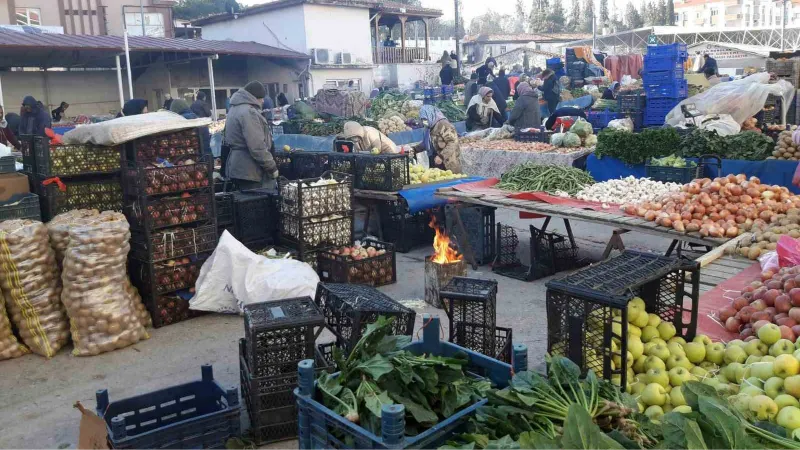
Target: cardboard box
<point x="12" y="184"/>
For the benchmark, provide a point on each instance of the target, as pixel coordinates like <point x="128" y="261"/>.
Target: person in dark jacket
<point x="34" y="118"/>
<point x="58" y="113"/>
<point x="526" y="112"/>
<point x="499" y="99"/>
<point x="503" y="86"/>
<point x="446" y="74"/>
<point x="483" y="112"/>
<point x="486" y="71"/>
<point x="551" y="90"/>
<point x="470" y="88"/>
<point x="13" y="120"/>
<point x="563" y="112"/>
<point x="134" y="107"/>
<point x="250" y="163"/>
<point x="179" y="106"/>
<point x="7" y="135"/>
<point x="167" y="101"/>
<point x="199" y="107"/>
<point x="282" y="100"/>
<point x="709" y="63"/>
<point x="611" y="92"/>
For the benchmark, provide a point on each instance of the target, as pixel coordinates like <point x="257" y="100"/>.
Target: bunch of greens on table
<point x="378" y="372"/>
<point x="703" y="142"/>
<point x="672" y="161"/>
<point x="318" y="128"/>
<point x="387" y="101"/>
<point x="746" y="145"/>
<point x="636" y="148"/>
<point x="532" y="177"/>
<point x="454" y="112"/>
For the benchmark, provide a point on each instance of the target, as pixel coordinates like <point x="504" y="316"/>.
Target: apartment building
<point x="718" y="14"/>
<point x="93" y="17"/>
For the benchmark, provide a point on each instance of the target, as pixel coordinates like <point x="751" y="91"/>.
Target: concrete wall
<point x="287" y="24"/>
<point x="91" y="92"/>
<point x="318" y="77"/>
<point x="405" y="75"/>
<point x="339" y="29"/>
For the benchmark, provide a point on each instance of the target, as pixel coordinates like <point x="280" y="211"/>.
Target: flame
<point x="443" y="253"/>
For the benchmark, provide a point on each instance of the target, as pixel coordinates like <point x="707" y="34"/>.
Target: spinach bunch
<point x="703" y="142"/>
<point x="747" y="145"/>
<point x="636" y="148"/>
<point x="378" y="372"/>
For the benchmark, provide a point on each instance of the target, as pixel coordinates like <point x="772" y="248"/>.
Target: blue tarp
<point x="580" y="102"/>
<point x="607" y="168"/>
<point x="62" y="130"/>
<point x="422" y="197"/>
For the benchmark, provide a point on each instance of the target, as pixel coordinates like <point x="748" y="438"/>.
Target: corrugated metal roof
<point x="523" y="37"/>
<point x="64" y="42"/>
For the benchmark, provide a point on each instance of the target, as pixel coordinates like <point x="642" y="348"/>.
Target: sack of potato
<point x="30" y="283"/>
<point x="58" y="228"/>
<point x="9" y="345"/>
<point x="102" y="310"/>
<point x="138" y="305"/>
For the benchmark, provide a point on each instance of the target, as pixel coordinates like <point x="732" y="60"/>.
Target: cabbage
<point x="582" y="128"/>
<point x="590" y="141"/>
<point x="571" y="140"/>
<point x="557" y="139"/>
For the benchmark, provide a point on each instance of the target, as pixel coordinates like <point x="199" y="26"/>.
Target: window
<point x="153" y="24"/>
<point x="502" y="49"/>
<point x="29" y="16"/>
<point x="301" y="90"/>
<point x="342" y="84"/>
<point x="714" y="12"/>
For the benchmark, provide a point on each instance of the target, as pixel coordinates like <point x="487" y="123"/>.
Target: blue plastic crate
<point x="199" y="414"/>
<point x="653" y="118"/>
<point x="320" y="427"/>
<point x="674" y="89"/>
<point x="663" y="76"/>
<point x="662" y="106"/>
<point x="600" y="119"/>
<point x="661" y="63"/>
<point x="678" y="49"/>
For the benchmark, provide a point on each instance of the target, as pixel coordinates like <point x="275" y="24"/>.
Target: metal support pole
<point x="783" y="25"/>
<point x="2" y="104"/>
<point x="128" y="64"/>
<point x="119" y="84"/>
<point x="458" y="40"/>
<point x="141" y="8"/>
<point x="213" y="91"/>
<point x="594" y="31"/>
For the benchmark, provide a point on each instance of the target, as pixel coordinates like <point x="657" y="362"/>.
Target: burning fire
<point x="442" y="252"/>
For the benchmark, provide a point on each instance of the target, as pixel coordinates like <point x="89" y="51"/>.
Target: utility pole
<point x="594" y="28"/>
<point x="783" y="24"/>
<point x="141" y="9"/>
<point x="458" y="40"/>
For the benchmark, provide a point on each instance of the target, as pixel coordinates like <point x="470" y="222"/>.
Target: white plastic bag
<point x="741" y="99"/>
<point x="723" y="124"/>
<point x="234" y="277"/>
<point x="625" y="124"/>
<point x="769" y="261"/>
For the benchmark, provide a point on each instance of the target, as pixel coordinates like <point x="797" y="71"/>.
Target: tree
<point x="633" y="19"/>
<point x="491" y="23"/>
<point x="194" y="9"/>
<point x="588" y="16"/>
<point x="574" y="20"/>
<point x="521" y="17"/>
<point x="647" y="14"/>
<point x="441" y="29"/>
<point x="670" y="13"/>
<point x="556" y="20"/>
<point x="662" y="12"/>
<point x="604" y="13"/>
<point x="538" y="17"/>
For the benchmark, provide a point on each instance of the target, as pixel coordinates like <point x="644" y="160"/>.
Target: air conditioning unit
<point x="344" y="58"/>
<point x="321" y="56"/>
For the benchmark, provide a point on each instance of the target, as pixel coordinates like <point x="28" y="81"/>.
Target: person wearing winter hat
<point x="250" y="163"/>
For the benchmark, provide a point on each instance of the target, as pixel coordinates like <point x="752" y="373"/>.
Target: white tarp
<point x="124" y="129"/>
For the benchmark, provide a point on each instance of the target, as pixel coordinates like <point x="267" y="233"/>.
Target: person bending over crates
<point x="368" y="139"/>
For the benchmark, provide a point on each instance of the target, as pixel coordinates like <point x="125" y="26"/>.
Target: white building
<point x="344" y="37"/>
<point x="719" y="14"/>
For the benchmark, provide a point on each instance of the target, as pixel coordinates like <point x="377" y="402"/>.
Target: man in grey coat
<point x="526" y="113"/>
<point x="250" y="163"/>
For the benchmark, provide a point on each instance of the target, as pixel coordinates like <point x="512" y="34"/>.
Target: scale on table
<point x="690" y="111"/>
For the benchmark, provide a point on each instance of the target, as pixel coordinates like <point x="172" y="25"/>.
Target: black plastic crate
<point x="102" y="193"/>
<point x="349" y="308"/>
<point x="169" y="211"/>
<point x="139" y="180"/>
<point x="533" y="135"/>
<point x="631" y="103"/>
<point x="550" y="253"/>
<point x="198" y="414"/>
<point x="173" y="243"/>
<point x="74" y="160"/>
<point x="283" y="160"/>
<point x="8" y="164"/>
<point x="583" y="307"/>
<point x="224" y="208"/>
<point x="170" y="308"/>
<point x="388" y="173"/>
<point x="789" y="68"/>
<point x="308" y="164"/>
<point x="316" y="233"/>
<point x="478" y="224"/>
<point x="471" y="300"/>
<point x="307" y="198"/>
<point x="474" y="337"/>
<point x="378" y="270"/>
<point x="158" y="278"/>
<point x="168" y="146"/>
<point x="26" y="207"/>
<point x="405" y="230"/>
<point x="256" y="214"/>
<point x="342" y="163"/>
<point x="680" y="175"/>
<point x="28" y="155"/>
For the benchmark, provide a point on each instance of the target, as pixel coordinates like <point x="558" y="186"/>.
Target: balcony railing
<point x="396" y="55"/>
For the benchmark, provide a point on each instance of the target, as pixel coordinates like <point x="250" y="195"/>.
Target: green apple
<point x="756" y="347"/>
<point x="616" y="380"/>
<point x="634" y="310"/>
<point x="658" y="376"/>
<point x="762" y="370"/>
<point x="676" y="396"/>
<point x="786" y="365"/>
<point x="784" y="400"/>
<point x="769" y="333"/>
<point x="797" y="343"/>
<point x="616" y="326"/>
<point x="752" y="391"/>
<point x="733" y="372"/>
<point x="660" y="351"/>
<point x="782" y="347"/>
<point x="653" y="320"/>
<point x="715" y="353"/>
<point x="796" y="353"/>
<point x="678" y="375"/>
<point x="734" y="353"/>
<point x="648" y="345"/>
<point x="767" y="358"/>
<point x="752" y="359"/>
<point x="635" y="346"/>
<point x="740" y="402"/>
<point x="699" y="372"/>
<point x="683" y="409"/>
<point x="654" y="394"/>
<point x="763" y="407"/>
<point x="667" y="408"/>
<point x="633" y="330"/>
<point x="618" y="360"/>
<point x="774" y="386"/>
<point x="695" y="351"/>
<point x="666" y="330"/>
<point x="648" y="333"/>
<point x="641" y="406"/>
<point x="679" y="361"/>
<point x="791" y="385"/>
<point x="713" y="382"/>
<point x="653" y="362"/>
<point x="676" y="348"/>
<point x="789" y="418"/>
<point x="703" y="339"/>
<point x="638" y="302"/>
<point x="638" y="365"/>
<point x="709" y="366"/>
<point x="637" y="388"/>
<point x="654" y="412"/>
<point x="753" y="381"/>
<point x="677" y="339"/>
<point x="641" y="320"/>
<point x="737" y="342"/>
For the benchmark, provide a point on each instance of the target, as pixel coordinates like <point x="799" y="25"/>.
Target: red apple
<point x="740" y="302"/>
<point x="775" y="284"/>
<point x="786" y="321"/>
<point x="760" y="305"/>
<point x="725" y="312"/>
<point x="757" y="326"/>
<point x="787" y="333"/>
<point x="733" y="325"/>
<point x="771" y="295"/>
<point x="767" y="275"/>
<point x="747" y="334"/>
<point x="760" y="315"/>
<point x="745" y="313"/>
<point x="795" y="295"/>
<point x="759" y="293"/>
<point x="783" y="303"/>
<point x="789" y="285"/>
<point x="794" y="313"/>
<point x="796" y="330"/>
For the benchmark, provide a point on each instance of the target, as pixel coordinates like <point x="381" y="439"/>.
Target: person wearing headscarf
<point x="503" y="87"/>
<point x="58" y="113"/>
<point x="446" y="74"/>
<point x="367" y="138"/>
<point x="522" y="79"/>
<point x="282" y="100"/>
<point x="486" y="71"/>
<point x="551" y="90"/>
<point x="7" y="135"/>
<point x="440" y="141"/>
<point x="470" y="88"/>
<point x="199" y="107"/>
<point x="499" y="99"/>
<point x="611" y="92"/>
<point x="247" y="131"/>
<point x="34" y="119"/>
<point x="134" y="107"/>
<point x="526" y="112"/>
<point x="482" y="111"/>
<point x="179" y="106"/>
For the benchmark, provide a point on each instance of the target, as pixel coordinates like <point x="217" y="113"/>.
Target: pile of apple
<point x="774" y="299"/>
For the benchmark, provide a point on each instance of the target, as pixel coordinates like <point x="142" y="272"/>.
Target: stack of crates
<point x="632" y="105"/>
<point x="663" y="81"/>
<point x="256" y="215"/>
<point x="170" y="204"/>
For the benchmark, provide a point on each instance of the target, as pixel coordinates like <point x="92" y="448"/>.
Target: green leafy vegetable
<point x="636" y="148"/>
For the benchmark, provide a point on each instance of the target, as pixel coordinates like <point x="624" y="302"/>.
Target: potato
<point x="9" y="346"/>
<point x="754" y="252"/>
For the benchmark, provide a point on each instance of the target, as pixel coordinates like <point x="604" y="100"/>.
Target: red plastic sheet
<point x="555" y="200"/>
<point x="711" y="302"/>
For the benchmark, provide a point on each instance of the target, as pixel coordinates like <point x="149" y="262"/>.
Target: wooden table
<point x="621" y="222"/>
